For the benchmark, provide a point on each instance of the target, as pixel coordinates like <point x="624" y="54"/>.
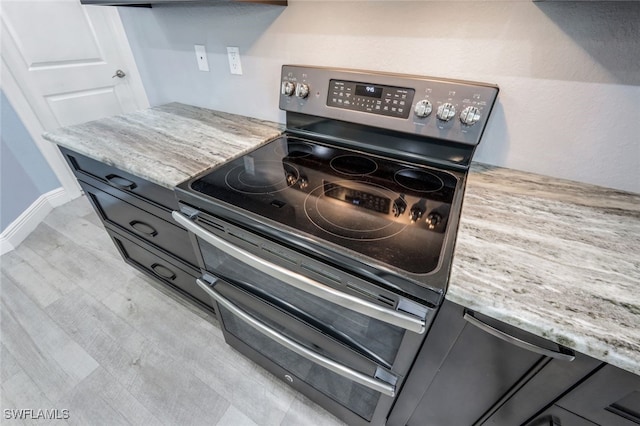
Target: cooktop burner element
<point x="336" y="208"/>
<point x="418" y="180"/>
<point x="296" y="149"/>
<point x="261" y="177"/>
<point x="353" y="165"/>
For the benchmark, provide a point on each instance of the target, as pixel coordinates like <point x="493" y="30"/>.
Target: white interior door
<point x="59" y="59"/>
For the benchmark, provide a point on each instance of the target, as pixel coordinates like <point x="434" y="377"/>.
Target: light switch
<point x="201" y="57"/>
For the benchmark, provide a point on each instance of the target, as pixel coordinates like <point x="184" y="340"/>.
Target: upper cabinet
<point x="149" y="3"/>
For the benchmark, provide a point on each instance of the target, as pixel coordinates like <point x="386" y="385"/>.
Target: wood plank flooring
<point x="82" y="331"/>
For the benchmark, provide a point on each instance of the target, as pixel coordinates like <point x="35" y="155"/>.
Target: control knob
<point x="291" y="178"/>
<point x="302" y="90"/>
<point x="433" y="219"/>
<point x="423" y="109"/>
<point x="303" y="182"/>
<point x="415" y="214"/>
<point x="399" y="206"/>
<point x="446" y="111"/>
<point x="288" y="88"/>
<point x="470" y="115"/>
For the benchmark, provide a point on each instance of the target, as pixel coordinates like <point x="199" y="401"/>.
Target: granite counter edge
<point x="164" y="182"/>
<point x="587" y="345"/>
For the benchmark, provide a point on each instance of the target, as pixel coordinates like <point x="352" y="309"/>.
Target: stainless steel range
<point x="327" y="250"/>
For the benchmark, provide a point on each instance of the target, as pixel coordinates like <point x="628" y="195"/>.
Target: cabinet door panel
<point x="609" y="397"/>
<point x="477" y="373"/>
<point x="545" y="387"/>
<point x="154" y="230"/>
<point x="167" y="271"/>
<point x="462" y="372"/>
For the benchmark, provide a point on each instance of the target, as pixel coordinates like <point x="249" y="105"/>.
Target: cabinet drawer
<point x="611" y="397"/>
<point x="548" y="384"/>
<point x="152" y="229"/>
<point x="132" y="199"/>
<point x="178" y="276"/>
<point x="83" y="166"/>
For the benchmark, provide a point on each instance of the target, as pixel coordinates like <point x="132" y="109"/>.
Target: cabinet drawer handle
<point x="163" y="271"/>
<point x="563" y="353"/>
<point x="143" y="228"/>
<point x="545" y="421"/>
<point x="121" y="182"/>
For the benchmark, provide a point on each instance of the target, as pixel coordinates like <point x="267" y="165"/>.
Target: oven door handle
<point x="390" y="316"/>
<point x="344" y="371"/>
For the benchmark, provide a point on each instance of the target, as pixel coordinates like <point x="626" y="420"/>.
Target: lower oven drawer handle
<point x="370" y="382"/>
<point x="390" y="316"/>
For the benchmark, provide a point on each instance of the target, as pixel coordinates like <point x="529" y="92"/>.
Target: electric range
<point x="327" y="250"/>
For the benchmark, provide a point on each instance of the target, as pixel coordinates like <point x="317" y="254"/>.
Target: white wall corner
<point x="35" y="128"/>
<point x="19" y="229"/>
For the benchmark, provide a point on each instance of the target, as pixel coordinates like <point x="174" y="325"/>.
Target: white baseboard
<point x="20" y="228"/>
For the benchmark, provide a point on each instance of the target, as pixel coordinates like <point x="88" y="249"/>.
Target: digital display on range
<point x="391" y="101"/>
<point x="369" y="91"/>
<point x="357" y="198"/>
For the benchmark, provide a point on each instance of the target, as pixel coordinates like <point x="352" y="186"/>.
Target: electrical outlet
<point x="201" y="57"/>
<point x="234" y="60"/>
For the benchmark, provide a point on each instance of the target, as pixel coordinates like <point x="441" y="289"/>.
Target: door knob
<point x="119" y="74"/>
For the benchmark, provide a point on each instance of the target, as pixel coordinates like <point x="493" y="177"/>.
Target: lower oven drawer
<point x="154" y="263"/>
<point x="308" y="354"/>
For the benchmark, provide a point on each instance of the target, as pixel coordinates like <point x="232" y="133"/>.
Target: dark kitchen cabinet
<point x="137" y="216"/>
<point x="606" y="396"/>
<point x="471" y="367"/>
<point x="610" y="397"/>
<point x="551" y="380"/>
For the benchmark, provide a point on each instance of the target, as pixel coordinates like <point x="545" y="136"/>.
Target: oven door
<point x="352" y="351"/>
<point x="308" y="353"/>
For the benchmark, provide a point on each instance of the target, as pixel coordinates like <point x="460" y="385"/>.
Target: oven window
<point x="359" y="399"/>
<point x="374" y="339"/>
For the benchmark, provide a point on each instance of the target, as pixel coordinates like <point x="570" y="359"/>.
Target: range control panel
<point x="368" y="97"/>
<point x="446" y="109"/>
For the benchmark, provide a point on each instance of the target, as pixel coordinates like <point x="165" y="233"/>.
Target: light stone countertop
<point x="167" y="144"/>
<point x="559" y="259"/>
<point x="556" y="258"/>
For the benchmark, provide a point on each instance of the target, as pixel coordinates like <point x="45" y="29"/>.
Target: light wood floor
<point x="82" y="331"/>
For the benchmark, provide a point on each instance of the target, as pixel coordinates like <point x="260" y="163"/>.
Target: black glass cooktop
<point x="396" y="213"/>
